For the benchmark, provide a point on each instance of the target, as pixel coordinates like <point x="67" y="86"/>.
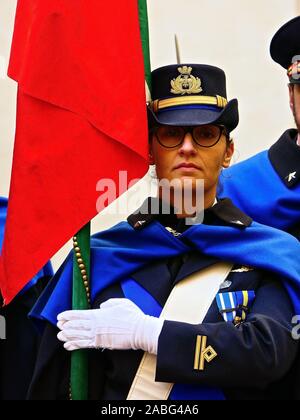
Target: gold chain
<point x="82" y="268"/>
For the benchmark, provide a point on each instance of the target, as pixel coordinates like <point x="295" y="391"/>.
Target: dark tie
<point x="174" y="265"/>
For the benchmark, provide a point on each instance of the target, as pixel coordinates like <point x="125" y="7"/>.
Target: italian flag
<point x="81" y="117"/>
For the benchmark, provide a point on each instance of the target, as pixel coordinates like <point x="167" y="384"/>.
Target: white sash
<point x="188" y="302"/>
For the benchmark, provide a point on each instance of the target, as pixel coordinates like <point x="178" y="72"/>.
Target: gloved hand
<point x="118" y="325"/>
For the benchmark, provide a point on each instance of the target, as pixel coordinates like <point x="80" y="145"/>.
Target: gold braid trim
<point x="189" y="100"/>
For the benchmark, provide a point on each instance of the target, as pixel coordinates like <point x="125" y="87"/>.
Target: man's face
<point x="295" y="103"/>
<point x="208" y="162"/>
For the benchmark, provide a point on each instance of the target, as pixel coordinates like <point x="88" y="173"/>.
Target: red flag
<point x="81" y="117"/>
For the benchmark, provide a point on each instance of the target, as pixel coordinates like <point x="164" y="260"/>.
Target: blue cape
<point x="255" y="187"/>
<point x="119" y="252"/>
<point x="46" y="271"/>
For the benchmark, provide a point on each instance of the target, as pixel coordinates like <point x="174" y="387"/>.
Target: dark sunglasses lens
<point x="207" y="135"/>
<point x="170" y="136"/>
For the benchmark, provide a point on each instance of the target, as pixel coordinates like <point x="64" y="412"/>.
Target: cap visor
<point x="192" y="116"/>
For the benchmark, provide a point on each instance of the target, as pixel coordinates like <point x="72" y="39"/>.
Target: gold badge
<point x="203" y="353"/>
<point x="186" y="83"/>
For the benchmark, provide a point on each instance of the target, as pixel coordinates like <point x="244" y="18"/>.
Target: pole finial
<point x="177" y="50"/>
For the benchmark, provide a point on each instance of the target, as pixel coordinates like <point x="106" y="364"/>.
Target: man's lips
<point x="187" y="166"/>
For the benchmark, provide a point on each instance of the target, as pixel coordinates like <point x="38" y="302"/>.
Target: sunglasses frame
<point x="190" y="129"/>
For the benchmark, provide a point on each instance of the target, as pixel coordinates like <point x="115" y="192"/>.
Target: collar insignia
<point x="139" y="224"/>
<point x="186" y="83"/>
<point x="237" y="222"/>
<point x="291" y="176"/>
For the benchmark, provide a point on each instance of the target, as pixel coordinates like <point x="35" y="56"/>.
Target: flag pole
<point x="81" y="246"/>
<point x="144" y="27"/>
<point x="80" y="301"/>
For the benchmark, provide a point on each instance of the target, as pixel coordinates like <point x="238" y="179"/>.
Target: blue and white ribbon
<point x="234" y="306"/>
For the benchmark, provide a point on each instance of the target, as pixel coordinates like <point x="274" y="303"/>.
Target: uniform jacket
<point x="254" y="358"/>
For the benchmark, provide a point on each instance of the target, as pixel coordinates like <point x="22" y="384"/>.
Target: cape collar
<point x="285" y="158"/>
<point x="118" y="253"/>
<point x="224" y="212"/>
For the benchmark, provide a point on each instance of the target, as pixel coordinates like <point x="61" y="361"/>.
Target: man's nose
<point x="188" y="145"/>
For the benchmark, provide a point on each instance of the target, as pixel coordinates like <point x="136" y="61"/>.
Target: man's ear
<point x="228" y="155"/>
<point x="292" y="97"/>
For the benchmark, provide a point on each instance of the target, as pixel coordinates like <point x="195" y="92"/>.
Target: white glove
<point x="118" y="325"/>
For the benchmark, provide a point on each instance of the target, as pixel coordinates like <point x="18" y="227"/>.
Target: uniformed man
<point x="272" y="178"/>
<point x="228" y="287"/>
<point x="19" y="339"/>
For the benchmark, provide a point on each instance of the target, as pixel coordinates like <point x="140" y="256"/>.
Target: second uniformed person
<point x="272" y="178"/>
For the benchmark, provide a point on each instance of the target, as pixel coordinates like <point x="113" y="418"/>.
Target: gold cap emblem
<point x="186" y="83"/>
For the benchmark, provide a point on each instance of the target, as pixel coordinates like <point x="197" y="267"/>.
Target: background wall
<point x="234" y="35"/>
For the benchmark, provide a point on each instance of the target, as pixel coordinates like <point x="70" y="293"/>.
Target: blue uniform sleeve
<point x="257" y="353"/>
